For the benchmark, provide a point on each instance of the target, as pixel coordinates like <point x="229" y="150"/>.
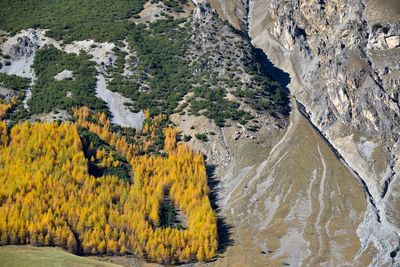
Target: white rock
<point x="115" y="102"/>
<point x="393" y="41"/>
<point x="65" y="74"/>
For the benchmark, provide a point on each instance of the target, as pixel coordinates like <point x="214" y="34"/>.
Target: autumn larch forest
<point x="49" y="196"/>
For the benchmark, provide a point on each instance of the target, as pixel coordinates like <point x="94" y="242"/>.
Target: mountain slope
<point x="320" y="186"/>
<point x="342" y="57"/>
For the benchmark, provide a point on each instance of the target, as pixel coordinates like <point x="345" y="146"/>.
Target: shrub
<point x="187" y="138"/>
<point x="49" y="94"/>
<point x="201" y="136"/>
<point x="71" y="20"/>
<point x="14" y="82"/>
<point x="376" y="27"/>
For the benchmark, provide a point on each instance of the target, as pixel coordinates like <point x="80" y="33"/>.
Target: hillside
<point x="149" y="65"/>
<point x="204" y="132"/>
<point x="342" y="58"/>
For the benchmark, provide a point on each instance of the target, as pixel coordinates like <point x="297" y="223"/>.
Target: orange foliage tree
<point x="48" y="197"/>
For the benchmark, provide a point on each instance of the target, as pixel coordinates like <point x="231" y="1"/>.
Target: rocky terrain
<point x="342" y="57"/>
<point x="21" y="49"/>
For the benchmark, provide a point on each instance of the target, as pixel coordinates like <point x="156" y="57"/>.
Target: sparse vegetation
<point x="202" y="136"/>
<point x="174" y="5"/>
<point x="162" y="71"/>
<point x="214" y="105"/>
<point x="161" y="79"/>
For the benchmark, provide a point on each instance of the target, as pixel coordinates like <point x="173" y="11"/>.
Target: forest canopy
<point x="48" y="196"/>
<point x="71" y="20"/>
<point x="49" y="94"/>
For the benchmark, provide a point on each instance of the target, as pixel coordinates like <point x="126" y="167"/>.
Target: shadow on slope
<point x="224" y="229"/>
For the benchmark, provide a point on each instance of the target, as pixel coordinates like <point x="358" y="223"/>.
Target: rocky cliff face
<point x="343" y="58"/>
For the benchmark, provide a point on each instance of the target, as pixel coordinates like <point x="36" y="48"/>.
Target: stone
<point x="393" y="41"/>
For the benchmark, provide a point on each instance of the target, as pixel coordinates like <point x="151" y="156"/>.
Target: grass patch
<point x="25" y="256"/>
